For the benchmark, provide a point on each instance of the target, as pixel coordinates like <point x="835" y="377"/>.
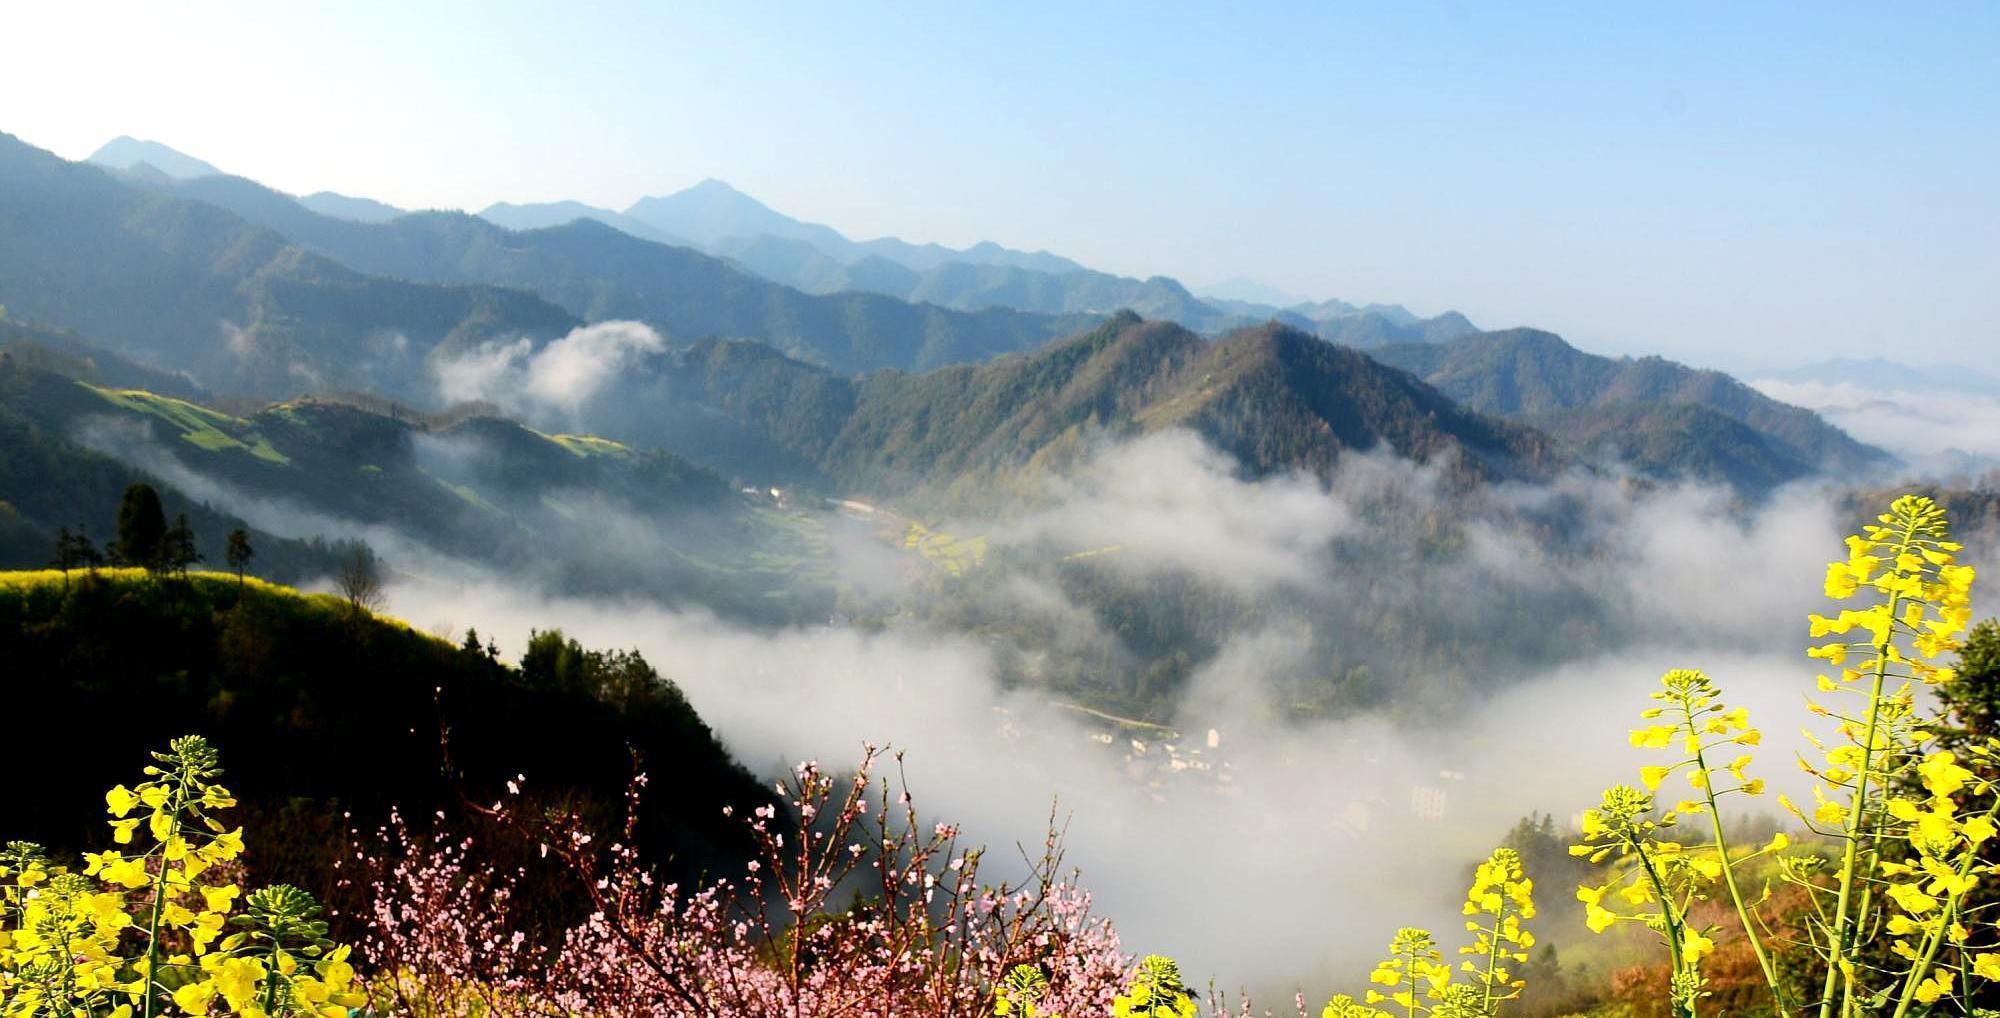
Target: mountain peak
<point x="1249" y="291"/>
<point x="716" y="185"/>
<point x="126" y="152"/>
<point x="715" y="193"/>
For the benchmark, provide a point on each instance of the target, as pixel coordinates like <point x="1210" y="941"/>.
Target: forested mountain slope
<point x="1583" y="397"/>
<point x="322" y="709"/>
<point x="1276" y="398"/>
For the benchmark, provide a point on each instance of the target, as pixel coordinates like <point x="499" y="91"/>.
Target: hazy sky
<point x="1734" y="185"/>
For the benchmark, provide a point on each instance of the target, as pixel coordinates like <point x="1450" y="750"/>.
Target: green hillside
<point x="48" y="481"/>
<point x="483" y="489"/>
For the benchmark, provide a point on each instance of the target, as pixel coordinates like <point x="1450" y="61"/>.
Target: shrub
<point x="851" y="907"/>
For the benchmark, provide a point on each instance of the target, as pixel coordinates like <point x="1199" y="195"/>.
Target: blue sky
<point x="1736" y="185"/>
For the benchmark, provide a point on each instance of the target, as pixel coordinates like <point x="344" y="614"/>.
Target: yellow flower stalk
<point x="1652" y="875"/>
<point x="69" y="943"/>
<point x="1155" y="992"/>
<point x="1921" y="598"/>
<point x="1908" y="821"/>
<point x="1415" y="973"/>
<point x="1502" y="895"/>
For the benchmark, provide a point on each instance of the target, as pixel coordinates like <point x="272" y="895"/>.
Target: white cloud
<point x="1299" y="865"/>
<point x="560" y="377"/>
<point x="1926" y="429"/>
<point x="1170" y="502"/>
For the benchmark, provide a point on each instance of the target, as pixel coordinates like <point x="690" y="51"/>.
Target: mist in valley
<point x="1266" y="847"/>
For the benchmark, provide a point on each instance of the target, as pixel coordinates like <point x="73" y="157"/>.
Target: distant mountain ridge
<point x="1879" y="374"/>
<point x="251" y="291"/>
<point x="127" y="153"/>
<point x="1244" y="290"/>
<point x="542" y="215"/>
<point x="1277" y="399"/>
<point x="597" y="272"/>
<point x="717" y="219"/>
<point x="1590" y="399"/>
<point x="713" y="211"/>
<point x="184" y="283"/>
<point x="340" y="206"/>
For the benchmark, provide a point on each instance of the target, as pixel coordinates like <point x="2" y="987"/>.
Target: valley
<point x="978" y="513"/>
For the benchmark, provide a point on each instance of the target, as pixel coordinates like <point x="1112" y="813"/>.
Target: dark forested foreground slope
<point x="324" y="711"/>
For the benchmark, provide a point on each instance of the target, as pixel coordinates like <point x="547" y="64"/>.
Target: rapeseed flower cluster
<point x="1022" y="989"/>
<point x="144" y="927"/>
<point x="1414" y="972"/>
<point x="1155" y="992"/>
<point x="1908" y="820"/>
<point x="1415" y="979"/>
<point x="1501" y="898"/>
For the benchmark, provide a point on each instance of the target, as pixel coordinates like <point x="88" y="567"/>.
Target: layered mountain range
<point x="214" y="296"/>
<point x="670" y="401"/>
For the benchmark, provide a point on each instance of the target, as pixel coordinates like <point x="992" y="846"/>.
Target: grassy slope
<point x="48" y="481"/>
<point x="483" y="489"/>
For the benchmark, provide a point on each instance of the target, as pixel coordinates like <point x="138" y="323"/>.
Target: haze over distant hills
<point x="128" y="153"/>
<point x="340" y="206"/>
<point x="189" y="284"/>
<point x="1877" y="374"/>
<point x="1942" y="419"/>
<point x="255" y="292"/>
<point x="1647" y="411"/>
<point x="712" y="211"/>
<point x="247" y="289"/>
<point x="816" y="259"/>
<point x="542" y="215"/>
<point x="1243" y="290"/>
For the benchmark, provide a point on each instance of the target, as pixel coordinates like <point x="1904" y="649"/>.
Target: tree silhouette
<point x="358" y="579"/>
<point x="66" y="557"/>
<point x="239" y="553"/>
<point x="177" y="549"/>
<point x="142" y="528"/>
<point x="85" y="550"/>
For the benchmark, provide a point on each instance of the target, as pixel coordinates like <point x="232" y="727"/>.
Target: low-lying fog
<point x="1263" y="852"/>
